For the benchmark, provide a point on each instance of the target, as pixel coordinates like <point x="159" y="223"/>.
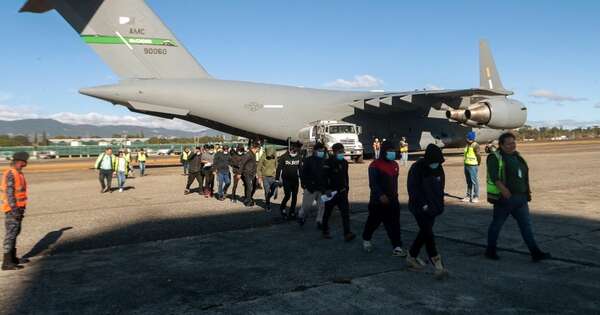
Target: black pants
<point x="341" y="201"/>
<point x="389" y="215"/>
<point x="209" y="180"/>
<point x="425" y="236"/>
<point x="236" y="180"/>
<point x="195" y="176"/>
<point x="290" y="190"/>
<point x="249" y="186"/>
<point x="105" y="177"/>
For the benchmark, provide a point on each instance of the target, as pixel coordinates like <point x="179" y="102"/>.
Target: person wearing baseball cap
<point x="472" y="159"/>
<point x="13" y="200"/>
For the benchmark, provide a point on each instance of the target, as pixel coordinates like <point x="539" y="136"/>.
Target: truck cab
<point x="330" y="132"/>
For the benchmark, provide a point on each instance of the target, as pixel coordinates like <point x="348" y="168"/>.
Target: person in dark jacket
<point x="288" y="173"/>
<point x="222" y="161"/>
<point x="426" y="181"/>
<point x="313" y="182"/>
<point x="384" y="206"/>
<point x="337" y="187"/>
<point x="236" y="159"/>
<point x="248" y="169"/>
<point x="195" y="170"/>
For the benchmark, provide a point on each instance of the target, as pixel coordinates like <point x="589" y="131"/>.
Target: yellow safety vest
<point x="470" y="156"/>
<point x="141" y="157"/>
<point x="185" y="155"/>
<point x="404" y="148"/>
<point x="492" y="190"/>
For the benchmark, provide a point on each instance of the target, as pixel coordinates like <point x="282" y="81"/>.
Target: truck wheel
<point x="358" y="159"/>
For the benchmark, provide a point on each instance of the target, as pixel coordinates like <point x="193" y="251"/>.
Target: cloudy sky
<point x="546" y="52"/>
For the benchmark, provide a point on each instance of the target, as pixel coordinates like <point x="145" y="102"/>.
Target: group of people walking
<point x="119" y="165"/>
<point x="324" y="178"/>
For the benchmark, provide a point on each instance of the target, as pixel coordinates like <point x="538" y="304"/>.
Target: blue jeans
<point x="223" y="180"/>
<point x="518" y="207"/>
<point x="142" y="167"/>
<point x="121" y="178"/>
<point x="472" y="181"/>
<point x="186" y="167"/>
<point x="268" y="182"/>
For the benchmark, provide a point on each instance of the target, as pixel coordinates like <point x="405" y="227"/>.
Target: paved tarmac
<point x="151" y="250"/>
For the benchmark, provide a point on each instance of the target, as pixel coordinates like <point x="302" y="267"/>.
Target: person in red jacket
<point x="384" y="206"/>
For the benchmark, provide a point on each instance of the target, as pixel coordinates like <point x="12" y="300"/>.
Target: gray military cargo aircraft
<point x="160" y="78"/>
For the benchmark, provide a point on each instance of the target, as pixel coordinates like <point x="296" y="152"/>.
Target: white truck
<point x="330" y="132"/>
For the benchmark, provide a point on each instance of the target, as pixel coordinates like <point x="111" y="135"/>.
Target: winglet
<point x="489" y="78"/>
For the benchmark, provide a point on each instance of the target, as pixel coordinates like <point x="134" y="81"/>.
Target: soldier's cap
<point x="20" y="156"/>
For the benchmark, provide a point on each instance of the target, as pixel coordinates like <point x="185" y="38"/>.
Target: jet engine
<point x="496" y="113"/>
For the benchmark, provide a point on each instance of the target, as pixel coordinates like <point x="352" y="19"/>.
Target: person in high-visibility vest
<point x="141" y="158"/>
<point x="509" y="191"/>
<point x="105" y="166"/>
<point x="472" y="159"/>
<point x="121" y="168"/>
<point x="185" y="160"/>
<point x="13" y="200"/>
<point x="404" y="151"/>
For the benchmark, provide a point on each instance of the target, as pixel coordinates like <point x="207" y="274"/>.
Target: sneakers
<point x="398" y="252"/>
<point x="121" y="190"/>
<point x="349" y="236"/>
<point x="466" y="199"/>
<point x="475" y="200"/>
<point x="415" y="263"/>
<point x="367" y="246"/>
<point x="539" y="256"/>
<point x="440" y="271"/>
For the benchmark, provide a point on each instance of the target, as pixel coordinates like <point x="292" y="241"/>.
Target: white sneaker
<point x="399" y="252"/>
<point x="367" y="246"/>
<point x="120" y="189"/>
<point x="466" y="199"/>
<point x="475" y="200"/>
<point x="415" y="263"/>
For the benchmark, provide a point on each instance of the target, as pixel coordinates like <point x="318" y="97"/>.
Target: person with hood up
<point x="426" y="183"/>
<point x="384" y="206"/>
<point x="266" y="170"/>
<point x="248" y="168"/>
<point x="222" y="162"/>
<point x="236" y="159"/>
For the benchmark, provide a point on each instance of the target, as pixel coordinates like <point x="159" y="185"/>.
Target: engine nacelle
<point x="498" y="113"/>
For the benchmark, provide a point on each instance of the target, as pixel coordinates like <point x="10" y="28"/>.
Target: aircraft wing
<point x="412" y="100"/>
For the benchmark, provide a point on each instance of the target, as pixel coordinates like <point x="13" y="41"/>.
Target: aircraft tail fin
<point x="127" y="35"/>
<point x="489" y="78"/>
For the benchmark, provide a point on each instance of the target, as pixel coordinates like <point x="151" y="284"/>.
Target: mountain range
<point x="54" y="128"/>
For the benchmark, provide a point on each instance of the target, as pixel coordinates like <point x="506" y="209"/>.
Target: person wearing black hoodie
<point x="236" y="158"/>
<point x="426" y="182"/>
<point x="313" y="182"/>
<point x="248" y="169"/>
<point x="338" y="183"/>
<point x="384" y="206"/>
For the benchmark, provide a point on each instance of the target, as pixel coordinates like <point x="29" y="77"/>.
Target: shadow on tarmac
<point x="221" y="283"/>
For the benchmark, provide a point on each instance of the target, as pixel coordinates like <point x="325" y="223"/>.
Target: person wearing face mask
<point x="426" y="182"/>
<point x="208" y="170"/>
<point x="222" y="162"/>
<point x="313" y="181"/>
<point x="337" y="187"/>
<point x="509" y="191"/>
<point x="248" y="167"/>
<point x="266" y="170"/>
<point x="288" y="173"/>
<point x="384" y="206"/>
<point x="236" y="159"/>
